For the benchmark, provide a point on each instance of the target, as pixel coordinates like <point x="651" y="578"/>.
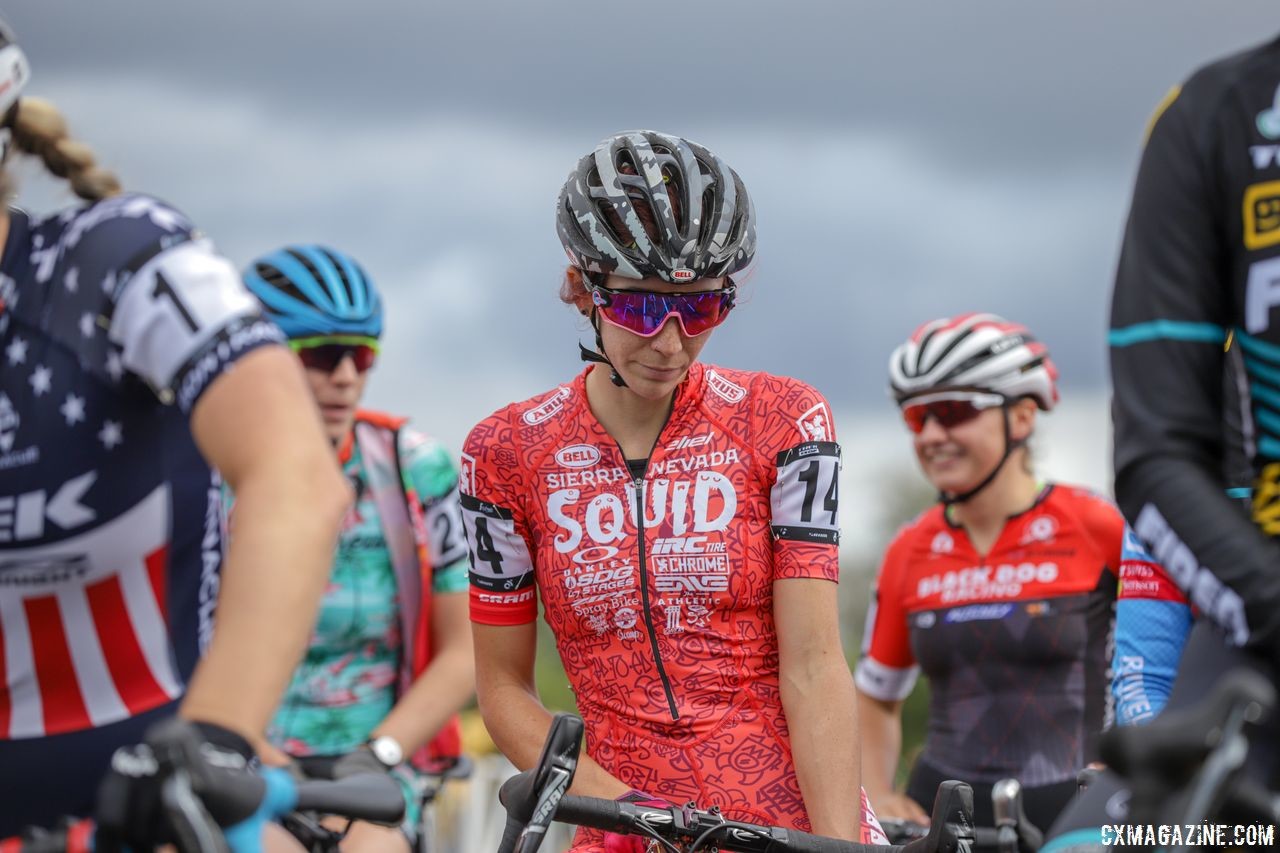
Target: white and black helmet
<point x="708" y="231"/>
<point x="977" y="351"/>
<point x="14" y="70"/>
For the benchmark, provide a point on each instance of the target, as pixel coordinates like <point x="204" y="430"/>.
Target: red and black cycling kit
<point x="1200" y="263"/>
<point x="1014" y="642"/>
<point x="115" y="318"/>
<point x="665" y="628"/>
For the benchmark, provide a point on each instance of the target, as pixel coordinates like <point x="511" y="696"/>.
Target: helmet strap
<point x="1010" y="445"/>
<point x="599" y="356"/>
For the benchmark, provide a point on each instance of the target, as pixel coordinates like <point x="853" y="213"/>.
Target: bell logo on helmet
<point x="683" y="274"/>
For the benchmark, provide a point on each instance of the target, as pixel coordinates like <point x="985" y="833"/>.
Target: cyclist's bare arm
<point x="880" y="723"/>
<point x="513" y="713"/>
<point x="445" y="685"/>
<point x="818" y="698"/>
<point x="290" y="499"/>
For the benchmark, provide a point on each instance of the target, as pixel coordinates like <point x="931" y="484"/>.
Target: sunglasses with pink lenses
<point x="645" y="312"/>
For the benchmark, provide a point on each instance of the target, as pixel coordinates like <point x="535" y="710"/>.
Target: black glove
<point x="130" y="812"/>
<point x="362" y="760"/>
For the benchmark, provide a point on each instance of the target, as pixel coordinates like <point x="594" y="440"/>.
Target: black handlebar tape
<point x="596" y="813"/>
<point x="511" y="834"/>
<point x="230" y="795"/>
<point x="374" y="797"/>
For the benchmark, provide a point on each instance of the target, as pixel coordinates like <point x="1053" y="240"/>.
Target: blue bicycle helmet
<point x="311" y="291"/>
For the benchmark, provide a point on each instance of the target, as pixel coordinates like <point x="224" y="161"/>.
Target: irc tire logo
<point x="1262" y="215"/>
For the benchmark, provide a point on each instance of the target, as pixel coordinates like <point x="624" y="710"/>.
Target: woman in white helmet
<point x="1002" y="592"/>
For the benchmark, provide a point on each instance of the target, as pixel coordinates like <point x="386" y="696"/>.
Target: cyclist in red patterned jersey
<point x="134" y="363"/>
<point x="1003" y="592"/>
<point x="677" y="520"/>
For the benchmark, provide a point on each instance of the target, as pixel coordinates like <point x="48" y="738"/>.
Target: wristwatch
<point x="387" y="750"/>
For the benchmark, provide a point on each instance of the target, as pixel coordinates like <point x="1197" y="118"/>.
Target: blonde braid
<point x="40" y="130"/>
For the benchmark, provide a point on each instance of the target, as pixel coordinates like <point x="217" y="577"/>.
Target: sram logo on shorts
<point x="578" y="456"/>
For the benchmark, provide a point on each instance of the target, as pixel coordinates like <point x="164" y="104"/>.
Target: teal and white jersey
<point x="347" y="680"/>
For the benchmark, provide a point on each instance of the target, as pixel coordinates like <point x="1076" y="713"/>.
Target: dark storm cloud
<point x="909" y="159"/>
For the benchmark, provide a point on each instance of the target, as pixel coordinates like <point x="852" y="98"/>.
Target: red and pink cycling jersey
<point x="665" y="629"/>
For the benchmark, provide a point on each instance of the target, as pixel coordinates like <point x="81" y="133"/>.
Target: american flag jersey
<point x="115" y="317"/>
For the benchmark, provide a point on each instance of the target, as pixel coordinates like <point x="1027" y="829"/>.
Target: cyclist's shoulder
<point x="784" y="410"/>
<point x="531" y="422"/>
<point x="1096" y="515"/>
<point x="114" y="230"/>
<point x="929" y="530"/>
<point x="1245" y="79"/>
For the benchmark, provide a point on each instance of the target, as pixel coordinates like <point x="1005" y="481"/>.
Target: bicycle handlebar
<point x="950" y="829"/>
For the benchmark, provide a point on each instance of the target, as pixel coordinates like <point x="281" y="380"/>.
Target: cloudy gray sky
<point x="908" y="159"/>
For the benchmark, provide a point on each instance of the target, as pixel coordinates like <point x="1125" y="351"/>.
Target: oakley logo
<point x="1041" y="529"/>
<point x="578" y="456"/>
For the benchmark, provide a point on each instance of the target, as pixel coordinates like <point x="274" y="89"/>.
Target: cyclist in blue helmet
<point x="137" y="375"/>
<point x="390" y="661"/>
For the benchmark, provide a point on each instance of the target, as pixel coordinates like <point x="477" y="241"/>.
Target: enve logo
<point x="578" y="456"/>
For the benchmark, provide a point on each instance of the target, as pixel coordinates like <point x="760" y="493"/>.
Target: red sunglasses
<point x="325" y="354"/>
<point x="949" y="409"/>
<point x="645" y="312"/>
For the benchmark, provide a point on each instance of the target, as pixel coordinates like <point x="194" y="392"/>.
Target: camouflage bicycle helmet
<point x="704" y="217"/>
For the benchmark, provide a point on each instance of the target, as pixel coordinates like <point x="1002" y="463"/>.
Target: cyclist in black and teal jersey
<point x="1200" y="268"/>
<point x="390" y="661"/>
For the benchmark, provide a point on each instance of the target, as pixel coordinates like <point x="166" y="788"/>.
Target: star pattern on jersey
<point x="41" y="380"/>
<point x="115" y="367"/>
<point x="71" y="281"/>
<point x="111" y="434"/>
<point x="16" y="351"/>
<point x="87" y="327"/>
<point x="72" y="409"/>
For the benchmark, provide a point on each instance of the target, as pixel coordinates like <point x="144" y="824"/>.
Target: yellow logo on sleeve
<point x="1262" y="215"/>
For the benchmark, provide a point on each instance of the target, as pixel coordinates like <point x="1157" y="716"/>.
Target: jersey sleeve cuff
<point x="886" y="683"/>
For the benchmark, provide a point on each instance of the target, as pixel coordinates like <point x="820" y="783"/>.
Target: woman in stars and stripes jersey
<point x="132" y="359"/>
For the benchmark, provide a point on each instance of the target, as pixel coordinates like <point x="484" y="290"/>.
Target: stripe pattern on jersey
<point x="82" y="643"/>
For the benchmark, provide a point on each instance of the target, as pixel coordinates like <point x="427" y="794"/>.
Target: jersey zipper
<point x="644" y="597"/>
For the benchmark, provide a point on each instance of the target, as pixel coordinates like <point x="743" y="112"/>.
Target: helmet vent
<point x="342" y="275"/>
<point x="281" y="282"/>
<point x="306" y="262"/>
